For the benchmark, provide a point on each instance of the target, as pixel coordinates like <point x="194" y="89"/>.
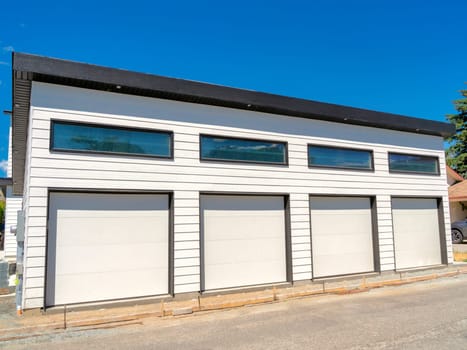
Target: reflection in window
<point x="409" y="163"/>
<point x="333" y="157"/>
<point x="106" y="139"/>
<point x="243" y="150"/>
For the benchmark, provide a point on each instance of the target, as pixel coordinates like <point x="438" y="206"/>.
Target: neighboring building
<point x="13" y="203"/>
<point x="138" y="185"/>
<point x="457" y="195"/>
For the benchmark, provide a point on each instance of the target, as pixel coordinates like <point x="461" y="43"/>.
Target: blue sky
<point x="405" y="57"/>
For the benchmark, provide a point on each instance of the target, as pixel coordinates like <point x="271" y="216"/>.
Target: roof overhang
<point x="458" y="199"/>
<point x="451" y="172"/>
<point x="458" y="192"/>
<point x="28" y="68"/>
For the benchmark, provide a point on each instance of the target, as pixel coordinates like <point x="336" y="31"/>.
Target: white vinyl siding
<point x="187" y="176"/>
<point x="12" y="205"/>
<point x="107" y="246"/>
<point x="244" y="240"/>
<point x="416" y="232"/>
<point x="342" y="236"/>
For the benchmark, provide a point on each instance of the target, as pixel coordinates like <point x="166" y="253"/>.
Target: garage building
<point x="141" y="186"/>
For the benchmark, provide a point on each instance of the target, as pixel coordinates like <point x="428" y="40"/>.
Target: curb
<point x="81" y="320"/>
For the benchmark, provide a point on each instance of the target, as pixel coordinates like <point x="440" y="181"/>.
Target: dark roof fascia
<point x="21" y="83"/>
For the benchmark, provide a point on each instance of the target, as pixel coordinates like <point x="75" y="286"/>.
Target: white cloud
<point x="3" y="63"/>
<point x="8" y="48"/>
<point x="4" y="165"/>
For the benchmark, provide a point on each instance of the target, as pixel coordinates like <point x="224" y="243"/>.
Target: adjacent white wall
<point x="12" y="205"/>
<point x="187" y="176"/>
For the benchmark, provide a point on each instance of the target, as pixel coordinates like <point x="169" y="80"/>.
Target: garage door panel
<point x="344" y="243"/>
<point x="251" y="230"/>
<point x="243" y="204"/>
<point x="415" y="205"/>
<point x="250" y="224"/>
<point x="347" y="224"/>
<point x="91" y="258"/>
<point x="107" y="246"/>
<point x="416" y="232"/>
<point x="340" y="205"/>
<point x="332" y="267"/>
<point x="107" y="202"/>
<point x="222" y="275"/>
<point x="407" y="259"/>
<point x="342" y="235"/>
<point x="244" y="240"/>
<point x="244" y="253"/>
<point x="115" y="290"/>
<point x="141" y="224"/>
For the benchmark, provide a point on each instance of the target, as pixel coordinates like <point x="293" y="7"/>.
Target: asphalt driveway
<point x="428" y="315"/>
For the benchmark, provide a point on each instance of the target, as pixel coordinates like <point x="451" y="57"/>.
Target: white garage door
<point x="341" y="233"/>
<point x="106" y="246"/>
<point x="244" y="240"/>
<point x="416" y="232"/>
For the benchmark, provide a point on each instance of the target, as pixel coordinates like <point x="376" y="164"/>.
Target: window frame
<point x="438" y="172"/>
<point x="113" y="127"/>
<point x="370" y="151"/>
<point x="221" y="160"/>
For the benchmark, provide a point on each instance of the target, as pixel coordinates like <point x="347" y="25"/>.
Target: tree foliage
<point x="2" y="212"/>
<point x="457" y="150"/>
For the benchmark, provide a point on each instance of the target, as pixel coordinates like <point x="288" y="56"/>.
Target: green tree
<point x="2" y="212"/>
<point x="457" y="150"/>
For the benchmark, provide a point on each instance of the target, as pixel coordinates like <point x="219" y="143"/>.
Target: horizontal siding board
<point x="12" y="205"/>
<point x="187" y="279"/>
<point x="187" y="203"/>
<point x="297" y="247"/>
<point x="186" y="245"/>
<point x="186" y="262"/>
<point x="33" y="303"/>
<point x="387" y="267"/>
<point x="36" y="262"/>
<point x="187" y="287"/>
<point x="245" y="187"/>
<point x="180" y="211"/>
<point x="300" y="239"/>
<point x="300" y="276"/>
<point x="186" y="271"/>
<point x="36" y="241"/>
<point x="301" y="261"/>
<point x="186" y="236"/>
<point x="301" y="232"/>
<point x="300" y="218"/>
<point x="186" y="228"/>
<point x="177" y="175"/>
<point x="34" y="282"/>
<point x="35" y="272"/>
<point x="70" y="162"/>
<point x="36" y="292"/>
<point x="36" y="252"/>
<point x="189" y="253"/>
<point x="301" y="268"/>
<point x="302" y="254"/>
